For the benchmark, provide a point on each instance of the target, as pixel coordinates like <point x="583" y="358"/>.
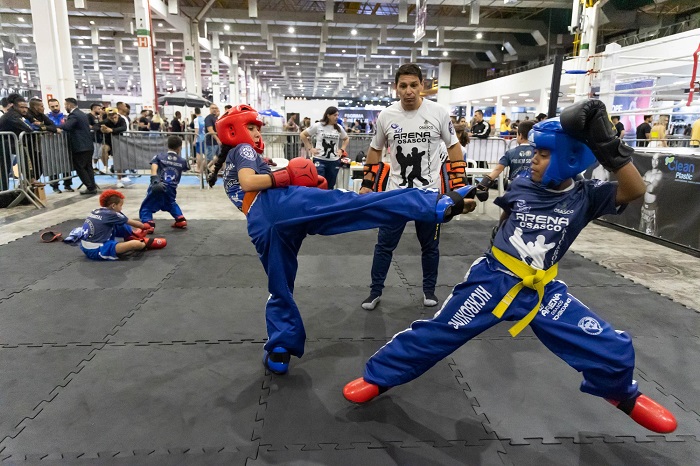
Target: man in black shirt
<point x="211" y="140"/>
<point x="644" y="132"/>
<point x="481" y="128"/>
<point x="13" y="121"/>
<point x="619" y="127"/>
<point x="176" y="124"/>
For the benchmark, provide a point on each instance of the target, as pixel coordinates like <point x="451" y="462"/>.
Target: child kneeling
<point x="104" y="225"/>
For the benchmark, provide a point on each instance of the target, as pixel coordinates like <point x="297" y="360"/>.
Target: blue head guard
<point x="569" y="156"/>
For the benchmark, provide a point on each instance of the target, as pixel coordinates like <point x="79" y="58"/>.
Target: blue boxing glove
<point x="157" y="186"/>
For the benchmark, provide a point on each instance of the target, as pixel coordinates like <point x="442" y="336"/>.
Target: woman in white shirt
<point x="331" y="141"/>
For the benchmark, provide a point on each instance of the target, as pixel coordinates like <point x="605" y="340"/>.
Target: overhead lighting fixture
<point x="264" y="72"/>
<point x="479" y="35"/>
<point x="297" y="63"/>
<point x="524" y="95"/>
<point x="488" y="100"/>
<point x="126" y="57"/>
<point x="171" y="59"/>
<point x="20" y="19"/>
<point x="393" y="52"/>
<point x="353" y="32"/>
<point x="366" y="76"/>
<point x="343" y="50"/>
<point x="290" y="30"/>
<point x="136" y="44"/>
<point x="444" y="54"/>
<point x="513" y="102"/>
<point x="301" y="81"/>
<point x="25" y="40"/>
<point x="92" y="22"/>
<point x="529" y="100"/>
<point x="120" y="69"/>
<point x="337" y="65"/>
<point x="80" y="42"/>
<point x="227" y="27"/>
<point x="82" y="56"/>
<point x="377" y="66"/>
<point x="294" y="49"/>
<point x="242" y="47"/>
<point x="160" y="25"/>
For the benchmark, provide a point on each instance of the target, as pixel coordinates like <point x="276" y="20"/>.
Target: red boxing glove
<point x="299" y="172"/>
<point x="322" y="183"/>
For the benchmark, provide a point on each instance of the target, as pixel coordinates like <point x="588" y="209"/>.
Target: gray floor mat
<point x="30" y="377"/>
<point x="218" y="271"/>
<point x="639" y="311"/>
<point x="599" y="451"/>
<point x="143" y="270"/>
<point x="433" y="409"/>
<point x="198" y="314"/>
<point x="64" y="316"/>
<point x="322" y="271"/>
<point x="450" y="272"/>
<point x="526" y="392"/>
<point x="136" y="398"/>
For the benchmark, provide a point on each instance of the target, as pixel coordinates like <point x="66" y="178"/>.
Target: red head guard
<point x="231" y="128"/>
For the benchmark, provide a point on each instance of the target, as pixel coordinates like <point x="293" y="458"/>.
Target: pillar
<point x="234" y="97"/>
<point x="54" y="56"/>
<point x="444" y="72"/>
<point x="145" y="48"/>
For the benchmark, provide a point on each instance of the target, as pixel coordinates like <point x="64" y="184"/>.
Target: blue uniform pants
<point x="279" y="219"/>
<point x="387" y="240"/>
<point x="155" y="202"/>
<point x="604" y="356"/>
<point x="328" y="169"/>
<point x="106" y="251"/>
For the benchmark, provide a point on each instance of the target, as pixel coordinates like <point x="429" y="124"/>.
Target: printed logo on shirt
<point x="247" y="152"/>
<point x="590" y="326"/>
<point x="169" y="175"/>
<point x="561" y="208"/>
<point x="521" y="206"/>
<point x="396" y="127"/>
<point x="451" y="128"/>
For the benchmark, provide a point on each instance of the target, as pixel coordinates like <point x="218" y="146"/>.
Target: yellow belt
<point x="532" y="278"/>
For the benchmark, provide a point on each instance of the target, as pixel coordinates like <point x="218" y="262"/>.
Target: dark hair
<point x="615" y="116"/>
<point x="178" y="114"/>
<point x="408" y="69"/>
<point x="13" y="98"/>
<point x="479" y="111"/>
<point x="52" y="100"/>
<point x="228" y="107"/>
<point x="4" y="102"/>
<point x="648" y="116"/>
<point x="541" y="117"/>
<point x="128" y="107"/>
<point x="197" y="111"/>
<point x="329" y="111"/>
<point x="35" y="101"/>
<point x="71" y="100"/>
<point x="95" y="105"/>
<point x="525" y="127"/>
<point x="174" y="142"/>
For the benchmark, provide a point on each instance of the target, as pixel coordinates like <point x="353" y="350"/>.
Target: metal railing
<point x="48" y="157"/>
<point x="661" y="143"/>
<point x="15" y="166"/>
<point x="664" y="31"/>
<point x="488" y="151"/>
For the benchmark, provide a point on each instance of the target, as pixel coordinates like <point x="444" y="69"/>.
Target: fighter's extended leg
<point x="603" y="355"/>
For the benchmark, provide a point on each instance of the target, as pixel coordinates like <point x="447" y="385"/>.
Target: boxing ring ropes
<point x="607" y="76"/>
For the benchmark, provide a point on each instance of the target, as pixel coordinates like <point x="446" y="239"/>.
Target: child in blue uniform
<point x="104" y="225"/>
<point x="166" y="170"/>
<point x="280" y="219"/>
<point x="543" y="214"/>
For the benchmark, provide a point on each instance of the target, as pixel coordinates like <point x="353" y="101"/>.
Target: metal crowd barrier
<point x="48" y="155"/>
<point x="132" y="151"/>
<point x="486" y="152"/>
<point x="14" y="171"/>
<point x="287" y="145"/>
<point x="669" y="142"/>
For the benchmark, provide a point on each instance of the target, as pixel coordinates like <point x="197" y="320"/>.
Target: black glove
<point x="156" y="185"/>
<point x="211" y="179"/>
<point x="588" y="121"/>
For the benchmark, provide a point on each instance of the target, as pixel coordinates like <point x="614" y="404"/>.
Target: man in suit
<point x="80" y="139"/>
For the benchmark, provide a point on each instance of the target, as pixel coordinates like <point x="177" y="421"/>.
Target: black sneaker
<point x="371" y="302"/>
<point x="430" y="300"/>
<point x="68" y="189"/>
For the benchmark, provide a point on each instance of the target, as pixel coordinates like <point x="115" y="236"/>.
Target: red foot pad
<point x="155" y="243"/>
<point x="649" y="414"/>
<point x="359" y="391"/>
<point x="136" y="234"/>
<point x="180" y="222"/>
<point x="149" y="227"/>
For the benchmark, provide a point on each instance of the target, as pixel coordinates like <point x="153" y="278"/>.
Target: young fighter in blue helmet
<point x="279" y="219"/>
<point x="514" y="281"/>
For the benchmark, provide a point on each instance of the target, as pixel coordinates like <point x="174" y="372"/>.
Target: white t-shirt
<point x="414" y="143"/>
<point x="327" y="140"/>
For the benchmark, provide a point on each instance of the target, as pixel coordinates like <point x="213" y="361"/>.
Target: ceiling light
<point x="256" y="62"/>
<point x="126" y="57"/>
<point x="300" y="81"/>
<point x="160" y="25"/>
<point x="290" y="30"/>
<point x="479" y="35"/>
<point x="488" y="100"/>
<point x="227" y="27"/>
<point x="25" y="40"/>
<point x="298" y="73"/>
<point x="92" y="22"/>
<point x="353" y="32"/>
<point x="171" y="59"/>
<point x="80" y="42"/>
<point x="136" y="44"/>
<point x="294" y="49"/>
<point x="393" y="52"/>
<point x="120" y="68"/>
<point x="21" y="20"/>
<point x="475" y="101"/>
<point x="512" y="101"/>
<point x="444" y="54"/>
<point x="82" y="56"/>
<point x="377" y="66"/>
<point x="242" y="47"/>
<point x="505" y="97"/>
<point x="366" y="76"/>
<point x="529" y="100"/>
<point x="524" y="95"/>
<point x="297" y="63"/>
<point x="337" y="64"/>
<point x="343" y="50"/>
<point x="264" y="72"/>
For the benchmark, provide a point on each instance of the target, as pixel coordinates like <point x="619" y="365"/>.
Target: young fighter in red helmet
<point x="104" y="225"/>
<point x="280" y="219"/>
<point x="543" y="214"/>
